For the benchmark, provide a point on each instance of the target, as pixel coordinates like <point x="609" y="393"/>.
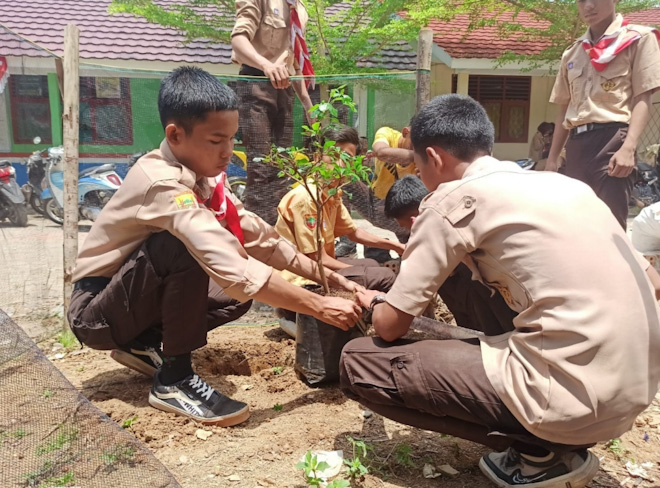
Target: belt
<point x="92" y="284"/>
<point x="250" y="71"/>
<point x="591" y="127"/>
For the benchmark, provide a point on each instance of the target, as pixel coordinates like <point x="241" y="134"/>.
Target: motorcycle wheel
<point x="237" y="184"/>
<point x="35" y="202"/>
<point x="53" y="211"/>
<point x="18" y="215"/>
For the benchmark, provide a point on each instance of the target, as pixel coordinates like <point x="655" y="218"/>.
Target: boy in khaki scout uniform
<point x="297" y="223"/>
<point x="142" y="275"/>
<point x="580" y="362"/>
<point x="604" y="89"/>
<point x="262" y="43"/>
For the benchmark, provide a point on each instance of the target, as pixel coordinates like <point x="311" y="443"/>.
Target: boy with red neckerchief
<point x="604" y="89"/>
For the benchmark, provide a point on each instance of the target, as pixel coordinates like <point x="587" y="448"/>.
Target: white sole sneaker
<point x="130" y="361"/>
<point x="224" y="421"/>
<point x="578" y="478"/>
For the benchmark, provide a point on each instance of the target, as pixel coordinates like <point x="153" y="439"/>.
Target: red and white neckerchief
<point x="4" y="76"/>
<point x="224" y="208"/>
<point x="608" y="46"/>
<point x="300" y="46"/>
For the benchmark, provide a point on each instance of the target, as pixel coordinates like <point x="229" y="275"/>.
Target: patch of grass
<point x="48" y="393"/>
<point x="128" y="423"/>
<point x="118" y="454"/>
<point x="62" y="480"/>
<point x="278" y="370"/>
<point x="403" y="456"/>
<point x="63" y="437"/>
<point x="12" y="434"/>
<point x="278" y="407"/>
<point x="67" y="339"/>
<point x="615" y="446"/>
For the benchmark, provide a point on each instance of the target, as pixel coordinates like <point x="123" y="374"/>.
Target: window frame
<point x="93" y="102"/>
<point x="15" y="100"/>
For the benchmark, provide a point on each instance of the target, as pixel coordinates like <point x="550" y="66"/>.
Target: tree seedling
<point x="278" y="370"/>
<point x="128" y="423"/>
<point x="322" y="169"/>
<point x="356" y="469"/>
<point x="311" y="468"/>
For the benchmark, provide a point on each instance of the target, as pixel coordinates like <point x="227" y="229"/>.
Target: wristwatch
<point x="368" y="313"/>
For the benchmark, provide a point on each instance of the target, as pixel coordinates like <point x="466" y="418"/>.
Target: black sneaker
<point x="567" y="470"/>
<point x="145" y="360"/>
<point x="192" y="397"/>
<point x="345" y="248"/>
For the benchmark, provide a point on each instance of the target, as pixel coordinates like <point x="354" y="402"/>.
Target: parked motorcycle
<point x="12" y="201"/>
<point x="646" y="188"/>
<point x="526" y="164"/>
<point x="36" y="170"/>
<point x="96" y="185"/>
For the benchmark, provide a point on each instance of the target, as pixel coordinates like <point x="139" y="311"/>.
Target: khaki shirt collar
<point x="480" y="165"/>
<point x="612" y="29"/>
<point x="200" y="185"/>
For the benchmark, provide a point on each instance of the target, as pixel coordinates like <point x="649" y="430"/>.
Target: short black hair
<point x="188" y="94"/>
<point x="341" y="134"/>
<point x="456" y="123"/>
<point x="405" y="195"/>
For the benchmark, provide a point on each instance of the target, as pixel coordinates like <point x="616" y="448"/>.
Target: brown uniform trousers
<point x="160" y="294"/>
<point x="265" y="119"/>
<point x="442" y="385"/>
<point x="587" y="157"/>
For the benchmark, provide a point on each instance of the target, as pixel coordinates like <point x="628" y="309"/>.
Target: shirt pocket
<point x="275" y="31"/>
<point x="575" y="82"/>
<point x="612" y="83"/>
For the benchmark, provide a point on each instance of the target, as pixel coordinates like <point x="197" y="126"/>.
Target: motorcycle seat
<point x="644" y="167"/>
<point x="96" y="169"/>
<point x="4" y="163"/>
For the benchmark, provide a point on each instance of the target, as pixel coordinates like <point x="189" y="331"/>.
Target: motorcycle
<point x="96" y="185"/>
<point x="646" y="188"/>
<point x="12" y="201"/>
<point x="36" y="170"/>
<point x="526" y="164"/>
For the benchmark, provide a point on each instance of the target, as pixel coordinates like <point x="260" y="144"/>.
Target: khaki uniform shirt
<point x="387" y="174"/>
<point x="606" y="96"/>
<point x="582" y="361"/>
<point x="297" y="221"/>
<point x="158" y="195"/>
<point x="267" y="24"/>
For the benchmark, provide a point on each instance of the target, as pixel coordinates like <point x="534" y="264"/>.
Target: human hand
<point x="551" y="165"/>
<point x="622" y="163"/>
<point x="398" y="248"/>
<point x="339" y="312"/>
<point x="345" y="283"/>
<point x="365" y="297"/>
<point x="278" y="73"/>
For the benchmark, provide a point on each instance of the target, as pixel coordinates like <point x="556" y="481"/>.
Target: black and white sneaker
<point x="193" y="398"/>
<point x="567" y="470"/>
<point x="145" y="360"/>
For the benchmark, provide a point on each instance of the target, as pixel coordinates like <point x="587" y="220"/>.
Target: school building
<point x="123" y="59"/>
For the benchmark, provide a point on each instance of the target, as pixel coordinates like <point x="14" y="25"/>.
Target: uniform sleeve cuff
<point x="406" y="304"/>
<point x="255" y="276"/>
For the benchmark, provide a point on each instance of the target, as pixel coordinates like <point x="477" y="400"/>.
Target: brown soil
<point x="254" y="365"/>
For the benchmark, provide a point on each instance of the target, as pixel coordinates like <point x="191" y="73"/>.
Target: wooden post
<point x="70" y="122"/>
<point x="424" y="57"/>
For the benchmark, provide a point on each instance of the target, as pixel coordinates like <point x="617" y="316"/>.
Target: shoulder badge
<point x="185" y="200"/>
<point x="310" y="221"/>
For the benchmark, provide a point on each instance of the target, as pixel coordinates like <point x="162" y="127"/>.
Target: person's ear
<point x="405" y="132"/>
<point x="174" y="134"/>
<point x="433" y="157"/>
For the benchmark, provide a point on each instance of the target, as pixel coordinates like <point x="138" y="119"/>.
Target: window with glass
<point x="506" y="100"/>
<point x="30" y="108"/>
<point x="105" y="111"/>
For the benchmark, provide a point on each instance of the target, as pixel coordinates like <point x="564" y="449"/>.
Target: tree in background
<point x="341" y="35"/>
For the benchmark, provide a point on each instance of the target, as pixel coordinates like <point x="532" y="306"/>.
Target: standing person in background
<point x="540" y="146"/>
<point x="262" y="43"/>
<point x="604" y="89"/>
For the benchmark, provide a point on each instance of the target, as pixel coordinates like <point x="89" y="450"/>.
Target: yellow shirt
<point x="297" y="221"/>
<point x="387" y="174"/>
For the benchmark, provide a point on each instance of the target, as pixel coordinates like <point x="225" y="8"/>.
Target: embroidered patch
<point x="310" y="221"/>
<point x="185" y="200"/>
<point x="570" y="65"/>
<point x="608" y="85"/>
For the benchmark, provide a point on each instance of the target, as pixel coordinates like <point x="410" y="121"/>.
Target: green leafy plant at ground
<point x="278" y="407"/>
<point x="12" y="434"/>
<point x="128" y="423"/>
<point x="118" y="454"/>
<point x="62" y="480"/>
<point x="322" y="168"/>
<point x="403" y="453"/>
<point x="67" y="339"/>
<point x="278" y="370"/>
<point x="355" y="467"/>
<point x="311" y="467"/>
<point x="63" y="437"/>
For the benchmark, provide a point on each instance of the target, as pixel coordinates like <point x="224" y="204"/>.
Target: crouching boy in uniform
<point x="142" y="275"/>
<point x="297" y="222"/>
<point x="580" y="363"/>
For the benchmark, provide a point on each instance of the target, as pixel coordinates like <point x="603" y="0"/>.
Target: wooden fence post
<point x="70" y="123"/>
<point x="424" y="58"/>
